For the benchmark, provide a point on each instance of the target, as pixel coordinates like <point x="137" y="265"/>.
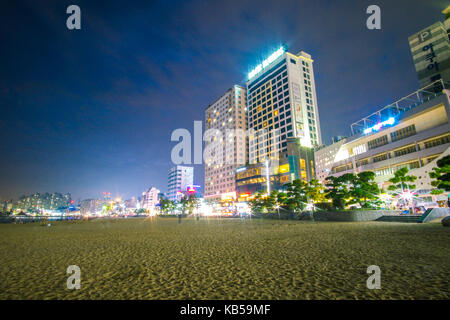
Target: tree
<point x="442" y="175"/>
<point x="188" y="203"/>
<point x="167" y="205"/>
<point x="193" y="203"/>
<point x="295" y="195"/>
<point x="271" y="202"/>
<point x="282" y="199"/>
<point x="364" y="188"/>
<point x="141" y="211"/>
<point x="315" y="191"/>
<point x="257" y="204"/>
<point x="337" y="189"/>
<point x="401" y="180"/>
<point x="183" y="204"/>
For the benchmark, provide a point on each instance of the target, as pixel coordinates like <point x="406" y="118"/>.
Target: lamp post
<point x="310" y="207"/>
<point x="267" y="177"/>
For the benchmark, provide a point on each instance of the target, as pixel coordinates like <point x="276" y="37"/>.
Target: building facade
<point x="253" y="178"/>
<point x="324" y="158"/>
<point x="150" y="198"/>
<point x="133" y="203"/>
<point x="93" y="206"/>
<point x="416" y="138"/>
<point x="47" y="201"/>
<point x="282" y="103"/>
<point x="180" y="177"/>
<point x="226" y="145"/>
<point x="430" y="49"/>
<point x="297" y="162"/>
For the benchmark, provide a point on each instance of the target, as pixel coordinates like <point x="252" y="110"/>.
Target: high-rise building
<point x="430" y="49"/>
<point x="226" y="146"/>
<point x="180" y="177"/>
<point x="282" y="104"/>
<point x="39" y="201"/>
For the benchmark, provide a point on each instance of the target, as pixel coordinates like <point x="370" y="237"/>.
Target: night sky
<point x="92" y="110"/>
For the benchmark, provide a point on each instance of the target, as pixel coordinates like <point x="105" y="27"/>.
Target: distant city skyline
<point x="92" y="110"/>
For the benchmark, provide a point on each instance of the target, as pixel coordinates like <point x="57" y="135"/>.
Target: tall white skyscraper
<point x="282" y="103"/>
<point x="226" y="120"/>
<point x="180" y="177"/>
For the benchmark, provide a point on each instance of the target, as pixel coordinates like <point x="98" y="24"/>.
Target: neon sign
<point x="192" y="188"/>
<point x="379" y="125"/>
<point x="266" y="62"/>
<point x="229" y="195"/>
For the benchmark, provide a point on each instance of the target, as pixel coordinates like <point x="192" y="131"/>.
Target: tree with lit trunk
<point x="401" y="181"/>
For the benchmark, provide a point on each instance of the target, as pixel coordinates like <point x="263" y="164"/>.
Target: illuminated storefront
<point x="295" y="163"/>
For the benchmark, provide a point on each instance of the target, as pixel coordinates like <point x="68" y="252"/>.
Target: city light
<point x="379" y="125"/>
<point x="290" y="204"/>
<point x="266" y="62"/>
<point x="229" y="196"/>
<point x="385" y="197"/>
<point x="406" y="195"/>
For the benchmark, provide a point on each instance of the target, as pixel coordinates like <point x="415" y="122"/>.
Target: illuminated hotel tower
<point x="227" y="115"/>
<point x="282" y="103"/>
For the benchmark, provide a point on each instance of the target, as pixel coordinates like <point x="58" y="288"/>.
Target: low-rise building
<point x="150" y="199"/>
<point x="399" y="135"/>
<point x="92" y="206"/>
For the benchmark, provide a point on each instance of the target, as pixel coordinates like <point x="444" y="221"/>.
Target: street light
<point x="267" y="177"/>
<point x="278" y="208"/>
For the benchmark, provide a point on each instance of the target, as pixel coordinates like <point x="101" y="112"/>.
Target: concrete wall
<point x="434" y="214"/>
<point x="352" y="215"/>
